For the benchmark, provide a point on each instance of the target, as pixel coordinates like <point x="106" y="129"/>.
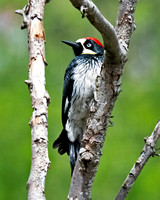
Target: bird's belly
<point x="83" y="93"/>
<point x="80" y="109"/>
<point x="81" y="102"/>
<point x="78" y="113"/>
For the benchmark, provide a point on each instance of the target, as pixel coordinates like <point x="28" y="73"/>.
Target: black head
<point x="87" y="45"/>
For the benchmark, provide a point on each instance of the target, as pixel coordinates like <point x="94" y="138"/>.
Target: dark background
<point x="135" y="114"/>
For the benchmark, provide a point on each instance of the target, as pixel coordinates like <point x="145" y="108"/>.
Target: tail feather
<point x="62" y="143"/>
<point x="73" y="154"/>
<point x="65" y="146"/>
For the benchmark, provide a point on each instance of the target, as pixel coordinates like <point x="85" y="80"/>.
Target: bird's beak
<point x="77" y="47"/>
<point x="72" y="44"/>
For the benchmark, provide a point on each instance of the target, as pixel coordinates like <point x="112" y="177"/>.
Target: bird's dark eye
<point x="88" y="45"/>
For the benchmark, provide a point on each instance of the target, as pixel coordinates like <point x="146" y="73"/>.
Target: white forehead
<point x="82" y="41"/>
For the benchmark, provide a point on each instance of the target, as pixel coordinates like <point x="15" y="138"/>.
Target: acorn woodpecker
<point x="78" y="91"/>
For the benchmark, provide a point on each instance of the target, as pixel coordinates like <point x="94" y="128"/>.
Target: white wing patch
<point x="66" y="105"/>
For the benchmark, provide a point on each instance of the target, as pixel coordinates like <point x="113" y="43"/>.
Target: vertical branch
<point x="125" y="22"/>
<point x="33" y="20"/>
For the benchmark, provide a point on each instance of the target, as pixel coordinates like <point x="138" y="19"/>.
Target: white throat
<point x="88" y="51"/>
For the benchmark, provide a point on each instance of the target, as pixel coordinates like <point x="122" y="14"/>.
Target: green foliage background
<point x="135" y="114"/>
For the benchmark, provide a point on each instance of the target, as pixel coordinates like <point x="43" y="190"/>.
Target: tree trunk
<point x="116" y="42"/>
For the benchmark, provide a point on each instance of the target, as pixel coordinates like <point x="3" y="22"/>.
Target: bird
<point x="78" y="92"/>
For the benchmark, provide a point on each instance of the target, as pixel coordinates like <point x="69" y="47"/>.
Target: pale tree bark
<point x="33" y="20"/>
<point x="147" y="152"/>
<point x="116" y="43"/>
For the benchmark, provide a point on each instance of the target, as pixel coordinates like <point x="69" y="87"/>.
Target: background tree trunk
<point x="33" y="20"/>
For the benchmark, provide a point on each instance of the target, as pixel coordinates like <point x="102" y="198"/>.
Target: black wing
<point x="67" y="92"/>
<point x="62" y="142"/>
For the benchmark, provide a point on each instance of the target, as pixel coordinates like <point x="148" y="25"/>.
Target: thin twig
<point x="147" y="152"/>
